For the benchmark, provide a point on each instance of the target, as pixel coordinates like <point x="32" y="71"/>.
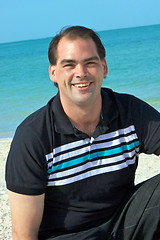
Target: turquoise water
<point x="133" y="62"/>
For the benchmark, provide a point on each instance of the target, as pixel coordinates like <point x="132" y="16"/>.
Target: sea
<point x="133" y="58"/>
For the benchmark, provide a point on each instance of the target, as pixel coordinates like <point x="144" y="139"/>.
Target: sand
<point x="149" y="165"/>
<point x="5" y="218"/>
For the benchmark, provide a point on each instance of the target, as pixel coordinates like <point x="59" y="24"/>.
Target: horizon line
<point x="98" y="31"/>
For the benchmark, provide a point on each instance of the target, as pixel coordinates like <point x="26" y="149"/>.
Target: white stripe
<point x="114" y="143"/>
<point x="90" y="148"/>
<point x="67" y="147"/>
<point x="91" y="164"/>
<point x="92" y="173"/>
<point x="49" y="156"/>
<point x="116" y="133"/>
<point x="71" y="145"/>
<point x="94" y="146"/>
<point x="87" y="140"/>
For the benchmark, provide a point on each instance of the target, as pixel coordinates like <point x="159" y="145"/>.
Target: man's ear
<point x="52" y="73"/>
<point x="105" y="68"/>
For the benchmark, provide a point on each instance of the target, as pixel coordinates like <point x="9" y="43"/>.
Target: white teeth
<point x="82" y="84"/>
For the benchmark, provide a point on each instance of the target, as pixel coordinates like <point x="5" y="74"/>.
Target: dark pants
<point x="138" y="218"/>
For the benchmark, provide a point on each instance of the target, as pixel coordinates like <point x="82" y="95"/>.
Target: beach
<point x="5" y="218"/>
<point x="149" y="165"/>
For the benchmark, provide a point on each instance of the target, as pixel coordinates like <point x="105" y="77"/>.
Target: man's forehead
<point x="69" y="46"/>
<point x="72" y="39"/>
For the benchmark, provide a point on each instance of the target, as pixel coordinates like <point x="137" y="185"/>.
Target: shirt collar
<point x="109" y="106"/>
<point x="61" y="121"/>
<point x="109" y="113"/>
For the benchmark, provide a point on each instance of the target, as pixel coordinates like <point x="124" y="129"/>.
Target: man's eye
<point x="91" y="63"/>
<point x="69" y="65"/>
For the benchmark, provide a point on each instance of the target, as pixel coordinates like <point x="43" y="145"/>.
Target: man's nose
<point x="80" y="71"/>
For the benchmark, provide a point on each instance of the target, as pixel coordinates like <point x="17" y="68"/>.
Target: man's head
<point x="78" y="66"/>
<point x="72" y="33"/>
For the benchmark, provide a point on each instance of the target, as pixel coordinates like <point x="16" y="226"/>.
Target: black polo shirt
<point x="84" y="179"/>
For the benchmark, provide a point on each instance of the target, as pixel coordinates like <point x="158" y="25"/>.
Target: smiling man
<point x="79" y="73"/>
<point x="71" y="167"/>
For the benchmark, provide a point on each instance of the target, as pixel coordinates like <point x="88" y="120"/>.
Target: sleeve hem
<point x="26" y="191"/>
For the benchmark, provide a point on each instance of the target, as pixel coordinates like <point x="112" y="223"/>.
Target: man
<point x="70" y="171"/>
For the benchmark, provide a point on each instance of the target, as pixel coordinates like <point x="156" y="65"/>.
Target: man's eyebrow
<point x="91" y="59"/>
<point x="67" y="61"/>
<point x="64" y="61"/>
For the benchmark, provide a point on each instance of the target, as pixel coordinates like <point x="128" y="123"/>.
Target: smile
<point x="81" y="85"/>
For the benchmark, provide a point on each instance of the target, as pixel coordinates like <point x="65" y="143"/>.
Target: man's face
<point x="79" y="71"/>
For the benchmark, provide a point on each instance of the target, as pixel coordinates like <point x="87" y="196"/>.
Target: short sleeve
<point x="26" y="166"/>
<point x="148" y="126"/>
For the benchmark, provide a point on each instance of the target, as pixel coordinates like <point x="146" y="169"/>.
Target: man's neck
<point x="84" y="119"/>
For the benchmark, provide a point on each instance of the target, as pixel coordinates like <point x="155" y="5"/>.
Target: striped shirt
<point x="90" y="157"/>
<point x="84" y="179"/>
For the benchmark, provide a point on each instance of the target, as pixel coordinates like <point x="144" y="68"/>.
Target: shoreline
<point x="148" y="166"/>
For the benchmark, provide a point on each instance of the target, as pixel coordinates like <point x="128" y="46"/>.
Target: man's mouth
<point x="81" y="85"/>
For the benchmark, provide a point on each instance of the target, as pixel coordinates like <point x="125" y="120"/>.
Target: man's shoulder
<point x="118" y="94"/>
<point x="36" y="121"/>
<point x="128" y="104"/>
<point x="121" y="98"/>
<point x="35" y="117"/>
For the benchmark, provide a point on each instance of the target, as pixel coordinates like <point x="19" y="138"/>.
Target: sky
<point x="35" y="19"/>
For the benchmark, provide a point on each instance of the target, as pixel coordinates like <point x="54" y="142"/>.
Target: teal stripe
<point x="105" y="153"/>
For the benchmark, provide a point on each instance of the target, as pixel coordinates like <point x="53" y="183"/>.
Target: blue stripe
<point x="94" y="155"/>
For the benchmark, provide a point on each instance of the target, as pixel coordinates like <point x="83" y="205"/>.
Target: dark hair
<point x="72" y="33"/>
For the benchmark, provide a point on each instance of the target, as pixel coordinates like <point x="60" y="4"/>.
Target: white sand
<point x="149" y="165"/>
<point x="5" y="219"/>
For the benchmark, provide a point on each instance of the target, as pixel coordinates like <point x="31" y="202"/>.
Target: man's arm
<point x="27" y="212"/>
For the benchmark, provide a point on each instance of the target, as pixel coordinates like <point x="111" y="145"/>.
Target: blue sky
<point x="33" y="19"/>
